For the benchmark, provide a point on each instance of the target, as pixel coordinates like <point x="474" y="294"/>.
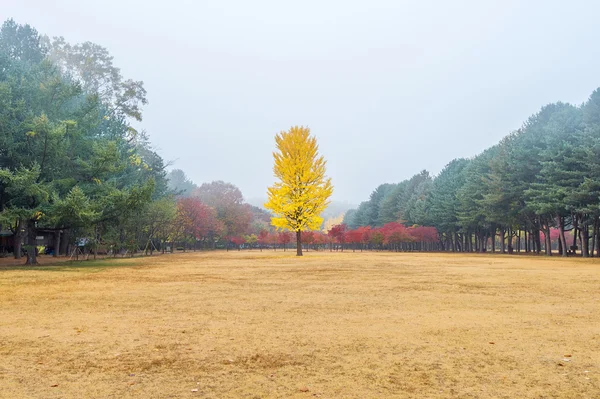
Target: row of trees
<point x="72" y="166"/>
<point x="393" y="236"/>
<point x="212" y="215"/>
<point x="69" y="159"/>
<point x="544" y="176"/>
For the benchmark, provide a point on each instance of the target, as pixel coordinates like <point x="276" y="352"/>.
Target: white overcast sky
<point x="388" y="87"/>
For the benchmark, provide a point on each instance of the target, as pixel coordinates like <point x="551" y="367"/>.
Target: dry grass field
<point x="329" y="325"/>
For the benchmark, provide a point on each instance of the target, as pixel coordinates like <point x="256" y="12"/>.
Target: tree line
<point x="539" y="182"/>
<point x="73" y="168"/>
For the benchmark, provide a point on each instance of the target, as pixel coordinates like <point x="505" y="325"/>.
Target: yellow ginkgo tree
<point x="302" y="192"/>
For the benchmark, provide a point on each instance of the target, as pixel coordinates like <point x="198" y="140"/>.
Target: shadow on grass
<point x="73" y="265"/>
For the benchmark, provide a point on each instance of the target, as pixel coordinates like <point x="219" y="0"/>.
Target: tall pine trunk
<point x="18" y="239"/>
<point x="548" y="241"/>
<point x="563" y="241"/>
<point x="575" y="223"/>
<point x="594" y="234"/>
<point x="585" y="240"/>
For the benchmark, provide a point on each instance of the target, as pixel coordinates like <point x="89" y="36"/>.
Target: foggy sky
<point x="388" y="87"/>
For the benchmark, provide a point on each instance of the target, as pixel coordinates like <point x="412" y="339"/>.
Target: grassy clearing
<point x="351" y="325"/>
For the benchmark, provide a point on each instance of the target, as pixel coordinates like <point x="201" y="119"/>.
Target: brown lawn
<point x="329" y="325"/>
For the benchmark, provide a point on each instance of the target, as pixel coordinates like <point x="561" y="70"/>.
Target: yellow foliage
<point x="332" y="221"/>
<point x="135" y="160"/>
<point x="302" y="192"/>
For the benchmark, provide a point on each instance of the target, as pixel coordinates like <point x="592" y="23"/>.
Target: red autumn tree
<point x="395" y="234"/>
<point x="354" y="237"/>
<point x="238" y="241"/>
<point x="338" y="234"/>
<point x="320" y="239"/>
<point x="308" y="238"/>
<point x="423" y="237"/>
<point x="227" y="200"/>
<point x="424" y="234"/>
<point x="365" y="232"/>
<point x="196" y="221"/>
<point x="263" y="238"/>
<point x="284" y="238"/>
<point x="376" y="238"/>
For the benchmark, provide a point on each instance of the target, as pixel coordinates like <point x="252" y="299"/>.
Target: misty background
<point x="388" y="87"/>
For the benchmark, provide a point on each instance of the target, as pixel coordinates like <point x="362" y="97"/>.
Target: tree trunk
<point x="56" y="243"/>
<point x="561" y="227"/>
<point x="548" y="241"/>
<point x="575" y="223"/>
<point x="31" y="243"/>
<point x="585" y="241"/>
<point x="65" y="242"/>
<point x="560" y="246"/>
<point x="538" y="242"/>
<point x="18" y="238"/>
<point x="299" y="243"/>
<point x="95" y="241"/>
<point x="594" y="233"/>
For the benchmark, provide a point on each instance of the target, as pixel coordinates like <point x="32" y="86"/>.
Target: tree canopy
<point x="302" y="191"/>
<point x="541" y="177"/>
